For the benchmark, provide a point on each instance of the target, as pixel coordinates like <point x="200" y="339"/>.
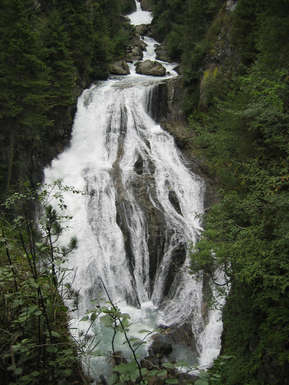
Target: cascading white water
<point x="140" y="17"/>
<point x="131" y="171"/>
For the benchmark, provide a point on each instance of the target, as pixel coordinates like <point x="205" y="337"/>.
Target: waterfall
<point x="140" y="213"/>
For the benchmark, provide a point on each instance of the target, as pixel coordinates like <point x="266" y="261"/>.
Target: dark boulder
<point x="149" y="67"/>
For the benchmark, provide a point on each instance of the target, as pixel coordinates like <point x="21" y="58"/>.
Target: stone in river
<point x="149" y="67"/>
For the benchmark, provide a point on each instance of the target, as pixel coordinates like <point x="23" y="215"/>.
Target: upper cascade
<point x="143" y="49"/>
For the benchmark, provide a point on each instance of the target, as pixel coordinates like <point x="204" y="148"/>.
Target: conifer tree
<point x="62" y="72"/>
<point x="24" y="99"/>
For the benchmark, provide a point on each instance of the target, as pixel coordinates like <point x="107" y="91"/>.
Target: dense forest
<point x="50" y="51"/>
<point x="234" y="61"/>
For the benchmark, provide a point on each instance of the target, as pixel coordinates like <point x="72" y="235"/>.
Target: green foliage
<point x="182" y="26"/>
<point x="63" y="74"/>
<point x="261" y="26"/>
<point x="203" y="379"/>
<point x="35" y="345"/>
<point x="127" y="6"/>
<point x="24" y="79"/>
<point x="49" y="51"/>
<point x="245" y="138"/>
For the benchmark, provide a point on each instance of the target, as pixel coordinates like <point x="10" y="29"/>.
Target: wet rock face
<point x="178" y="259"/>
<point x="174" y="94"/>
<point x="155" y="222"/>
<point x="119" y="68"/>
<point x="138" y="166"/>
<point x="157" y="106"/>
<point x="149" y="67"/>
<point x="175" y="202"/>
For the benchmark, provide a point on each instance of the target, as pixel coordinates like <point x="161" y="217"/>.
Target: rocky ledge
<point x="149" y="67"/>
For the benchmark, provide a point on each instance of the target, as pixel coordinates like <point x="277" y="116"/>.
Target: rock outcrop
<point x="119" y="68"/>
<point x="149" y="67"/>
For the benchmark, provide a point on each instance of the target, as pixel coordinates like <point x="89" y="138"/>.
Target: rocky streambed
<point x="135" y="55"/>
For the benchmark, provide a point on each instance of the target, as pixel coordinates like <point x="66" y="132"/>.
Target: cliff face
<point x="167" y="109"/>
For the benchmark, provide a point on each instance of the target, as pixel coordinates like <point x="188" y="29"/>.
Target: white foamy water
<point x="129" y="169"/>
<point x="139" y="16"/>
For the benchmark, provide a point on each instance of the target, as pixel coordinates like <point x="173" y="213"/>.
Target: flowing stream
<point x="139" y="216"/>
